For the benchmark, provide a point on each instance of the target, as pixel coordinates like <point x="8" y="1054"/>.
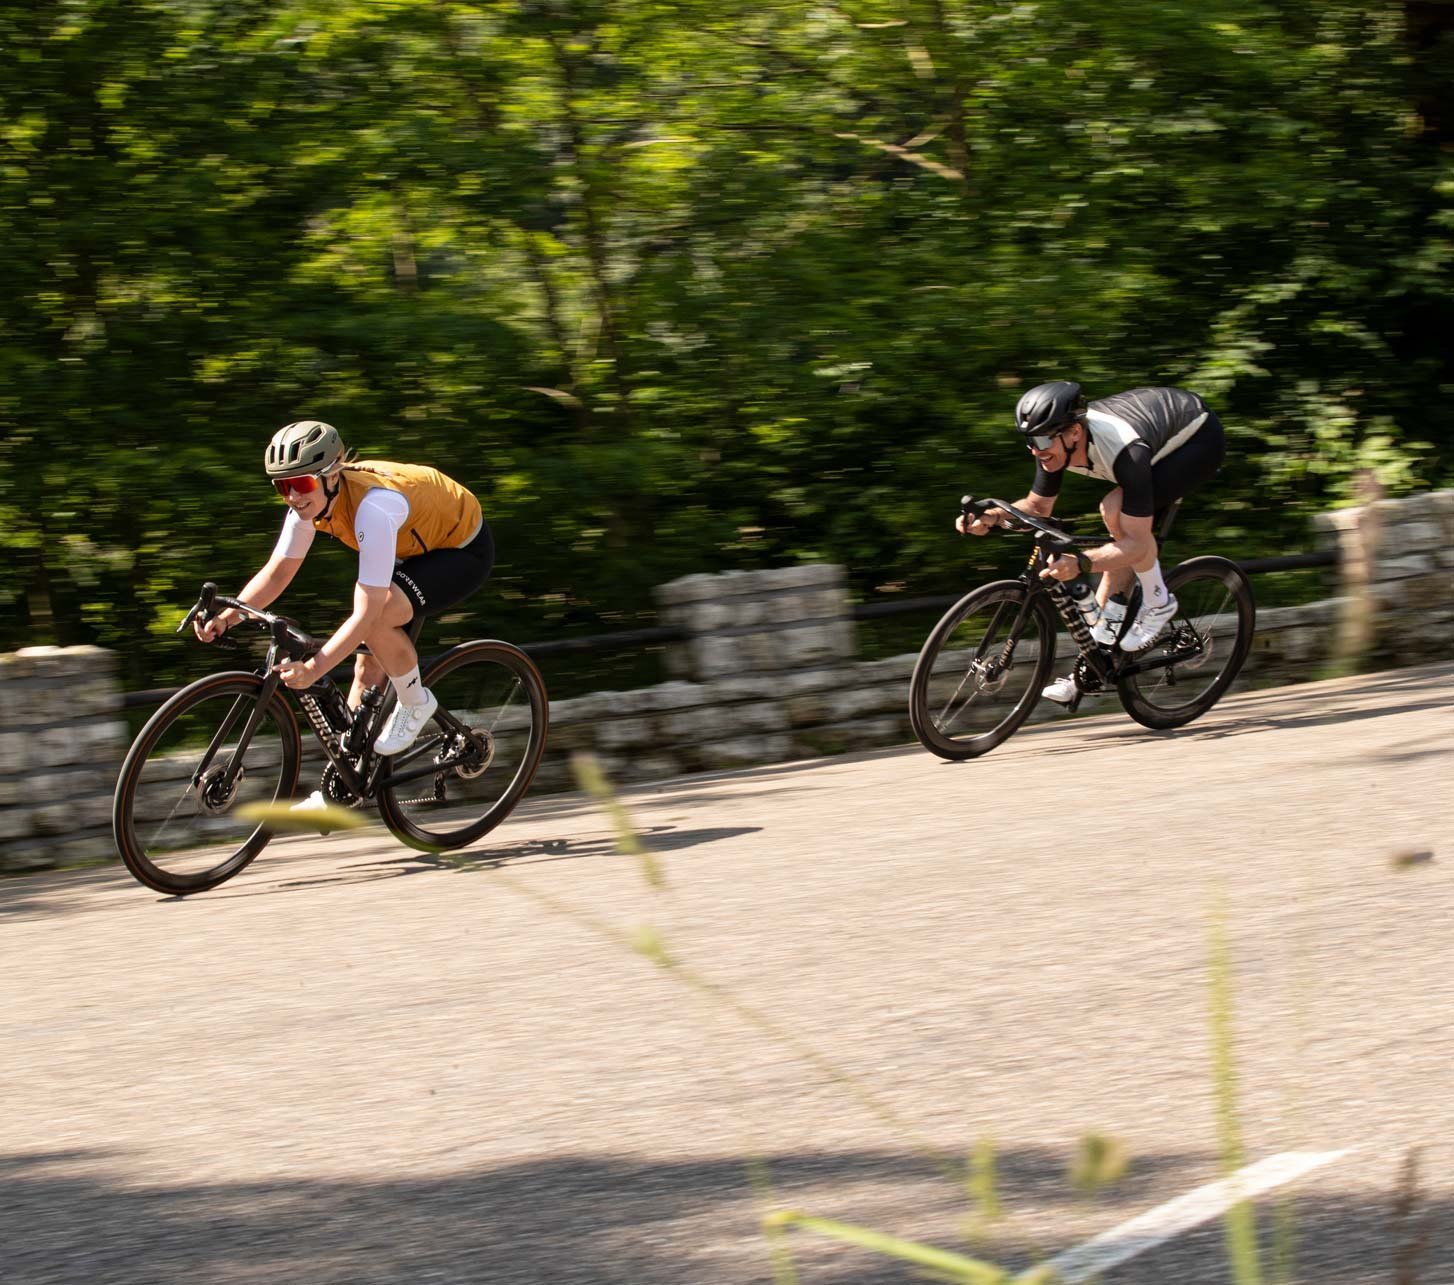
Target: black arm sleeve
<point x="1133" y="472"/>
<point x="1046" y="484"/>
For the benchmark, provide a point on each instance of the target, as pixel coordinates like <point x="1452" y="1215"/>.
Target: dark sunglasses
<point x="1042" y="441"/>
<point x="304" y="485"/>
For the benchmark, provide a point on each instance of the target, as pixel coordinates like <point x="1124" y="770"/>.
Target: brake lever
<point x="202" y="607"/>
<point x="1061" y="543"/>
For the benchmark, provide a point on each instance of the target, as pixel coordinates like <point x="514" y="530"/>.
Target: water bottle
<point x="369" y="700"/>
<point x="1085" y="602"/>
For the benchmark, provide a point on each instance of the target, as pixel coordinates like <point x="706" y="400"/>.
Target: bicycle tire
<point x="1144" y="696"/>
<point x="402" y="812"/>
<point x="1001" y="594"/>
<point x="143" y="864"/>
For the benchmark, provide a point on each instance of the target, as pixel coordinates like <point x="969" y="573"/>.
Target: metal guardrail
<point x="1252" y="566"/>
<point x="618" y="641"/>
<point x="860" y="611"/>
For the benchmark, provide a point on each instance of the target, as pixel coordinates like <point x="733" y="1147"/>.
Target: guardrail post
<point x="1358" y="532"/>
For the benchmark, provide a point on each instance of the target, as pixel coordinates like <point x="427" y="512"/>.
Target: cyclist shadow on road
<point x="1233" y="724"/>
<point x="656" y="839"/>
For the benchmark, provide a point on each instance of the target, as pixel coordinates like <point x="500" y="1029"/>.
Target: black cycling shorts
<point x="437" y="580"/>
<point x="1148" y="489"/>
<point x="1177" y="475"/>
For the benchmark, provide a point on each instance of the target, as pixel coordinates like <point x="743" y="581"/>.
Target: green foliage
<point x="681" y="287"/>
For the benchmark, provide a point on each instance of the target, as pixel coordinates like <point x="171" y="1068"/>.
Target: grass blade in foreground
<point x="1241" y="1220"/>
<point x="941" y="1263"/>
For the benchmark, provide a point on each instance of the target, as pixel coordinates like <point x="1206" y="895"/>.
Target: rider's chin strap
<point x="332" y="495"/>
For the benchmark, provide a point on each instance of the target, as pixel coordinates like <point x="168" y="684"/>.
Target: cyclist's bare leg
<point x="367" y="672"/>
<point x="390" y="651"/>
<point x="1119" y="580"/>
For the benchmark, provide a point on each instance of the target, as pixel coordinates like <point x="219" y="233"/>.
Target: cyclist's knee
<point x="1111" y="513"/>
<point x="398" y="609"/>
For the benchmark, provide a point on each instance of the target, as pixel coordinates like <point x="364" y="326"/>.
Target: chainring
<point x="335" y="790"/>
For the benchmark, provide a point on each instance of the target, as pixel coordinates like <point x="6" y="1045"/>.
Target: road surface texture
<point x="352" y="1064"/>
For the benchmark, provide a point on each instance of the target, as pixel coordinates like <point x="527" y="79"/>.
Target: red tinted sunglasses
<point x="304" y="485"/>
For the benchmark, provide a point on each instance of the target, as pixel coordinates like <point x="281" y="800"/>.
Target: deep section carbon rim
<point x="981" y="671"/>
<point x="188" y="778"/>
<point x="1200" y="652"/>
<point x="477" y="756"/>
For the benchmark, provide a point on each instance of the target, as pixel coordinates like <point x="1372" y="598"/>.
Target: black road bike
<point x="982" y="668"/>
<point x="232" y="739"/>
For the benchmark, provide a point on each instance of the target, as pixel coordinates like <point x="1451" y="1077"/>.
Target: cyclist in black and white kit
<point x="1155" y="445"/>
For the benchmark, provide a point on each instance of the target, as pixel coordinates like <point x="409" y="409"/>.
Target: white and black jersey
<point x="1130" y="434"/>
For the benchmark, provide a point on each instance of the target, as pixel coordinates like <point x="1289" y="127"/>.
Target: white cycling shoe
<point x="1108" y="627"/>
<point x="315" y="802"/>
<point x="1063" y="691"/>
<point x="1147" y="626"/>
<point x="405" y="724"/>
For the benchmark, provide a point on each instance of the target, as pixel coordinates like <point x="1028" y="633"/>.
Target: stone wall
<point x="766" y="673"/>
<point x="60" y="751"/>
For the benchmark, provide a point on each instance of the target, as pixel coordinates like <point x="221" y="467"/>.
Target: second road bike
<point x="983" y="666"/>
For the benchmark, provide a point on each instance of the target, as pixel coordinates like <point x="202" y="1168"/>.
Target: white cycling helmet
<point x="307" y="446"/>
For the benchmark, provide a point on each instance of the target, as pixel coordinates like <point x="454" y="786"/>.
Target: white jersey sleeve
<point x="296" y="537"/>
<point x="376" y="525"/>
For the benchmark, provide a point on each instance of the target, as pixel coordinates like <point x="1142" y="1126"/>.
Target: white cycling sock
<point x="408" y="687"/>
<point x="1154" y="592"/>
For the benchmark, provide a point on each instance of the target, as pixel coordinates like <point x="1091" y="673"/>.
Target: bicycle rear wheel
<point x="175" y="817"/>
<point x="981" y="670"/>
<point x="1186" y="671"/>
<point x="476" y="757"/>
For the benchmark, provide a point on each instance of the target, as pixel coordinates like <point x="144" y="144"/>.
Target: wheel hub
<point x="215" y="792"/>
<point x="474" y="756"/>
<point x="990" y="676"/>
<point x="1205" y="648"/>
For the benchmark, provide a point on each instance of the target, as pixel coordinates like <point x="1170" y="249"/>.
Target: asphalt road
<point x="354" y="1065"/>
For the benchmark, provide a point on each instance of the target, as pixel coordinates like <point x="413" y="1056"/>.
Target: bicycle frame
<point x="329" y="717"/>
<point x="1108" y="666"/>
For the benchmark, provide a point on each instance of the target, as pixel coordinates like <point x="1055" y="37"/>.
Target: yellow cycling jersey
<point x="442" y="513"/>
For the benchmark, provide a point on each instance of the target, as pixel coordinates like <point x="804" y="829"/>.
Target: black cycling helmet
<point x="1049" y="408"/>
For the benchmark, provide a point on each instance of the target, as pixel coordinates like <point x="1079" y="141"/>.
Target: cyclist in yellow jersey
<point x="423" y="546"/>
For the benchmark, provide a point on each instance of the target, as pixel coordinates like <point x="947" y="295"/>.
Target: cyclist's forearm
<point x="1042" y="506"/>
<point x="1121" y="553"/>
<point x="368" y="606"/>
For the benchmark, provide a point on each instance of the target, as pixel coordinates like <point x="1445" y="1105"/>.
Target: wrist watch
<point x="1083" y="562"/>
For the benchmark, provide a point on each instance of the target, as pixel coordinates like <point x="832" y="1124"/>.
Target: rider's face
<point x="307" y="504"/>
<point x="1057" y="455"/>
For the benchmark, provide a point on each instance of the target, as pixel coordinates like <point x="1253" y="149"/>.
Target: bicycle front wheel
<point x="188" y="775"/>
<point x="1188" y="668"/>
<point x="981" y="670"/>
<point x="476" y="757"/>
